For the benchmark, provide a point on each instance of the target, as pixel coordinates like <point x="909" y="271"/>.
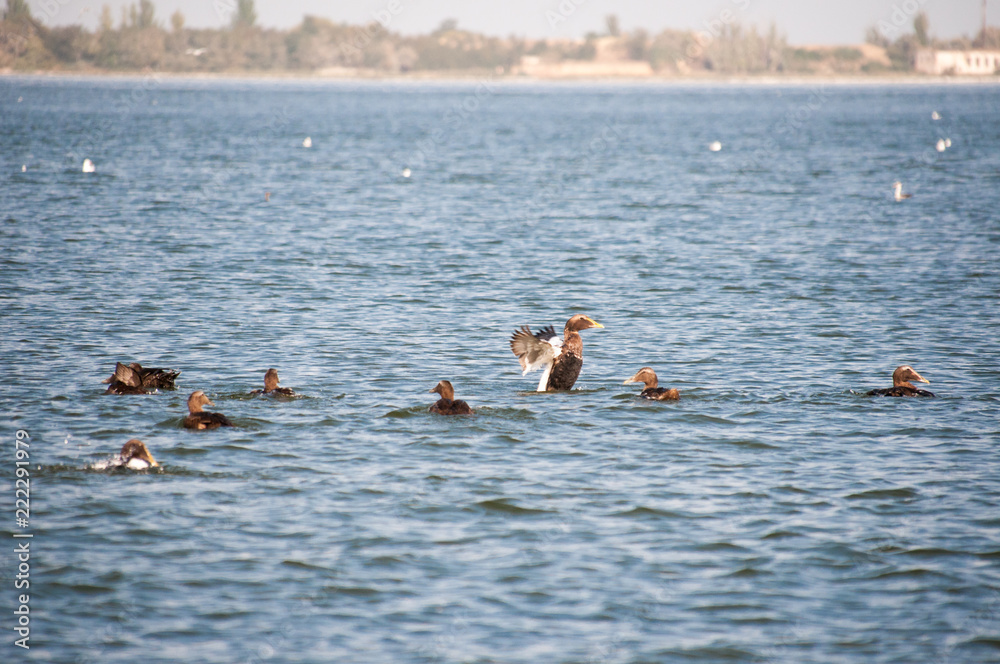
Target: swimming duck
<point x="199" y="419"/>
<point x="651" y="391"/>
<point x="897" y="191"/>
<point x="136" y="456"/>
<point x="271" y="386"/>
<point x="447" y="405"/>
<point x="901" y="387"/>
<point x="134" y="379"/>
<point x="559" y="359"/>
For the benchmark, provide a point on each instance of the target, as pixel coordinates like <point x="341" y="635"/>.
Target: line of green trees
<point x="139" y="40"/>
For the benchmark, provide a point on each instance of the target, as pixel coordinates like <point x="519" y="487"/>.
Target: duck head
<point x="904" y="374"/>
<point x="645" y="375"/>
<point x="445" y="389"/>
<point x="197" y="400"/>
<point x="581" y="322"/>
<point x="135" y="450"/>
<point x="270" y="380"/>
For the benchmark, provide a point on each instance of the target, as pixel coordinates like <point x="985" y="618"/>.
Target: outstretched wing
<point x="535" y="351"/>
<point x="127" y="375"/>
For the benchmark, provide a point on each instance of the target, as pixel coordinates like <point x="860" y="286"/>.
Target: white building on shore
<point x="957" y="63"/>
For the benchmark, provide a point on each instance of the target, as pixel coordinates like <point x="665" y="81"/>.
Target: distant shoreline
<point x="473" y="76"/>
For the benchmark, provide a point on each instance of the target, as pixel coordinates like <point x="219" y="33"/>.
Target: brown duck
<point x="136" y="456"/>
<point x="652" y="390"/>
<point x="198" y="419"/>
<point x="135" y="379"/>
<point x="559" y="359"/>
<point x="271" y="386"/>
<point x="901" y="385"/>
<point x="447" y="405"/>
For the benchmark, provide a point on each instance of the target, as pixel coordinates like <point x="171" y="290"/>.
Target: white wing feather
<point x="534" y="353"/>
<point x="545" y="353"/>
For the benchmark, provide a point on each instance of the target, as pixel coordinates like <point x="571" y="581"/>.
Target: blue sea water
<point x="773" y="514"/>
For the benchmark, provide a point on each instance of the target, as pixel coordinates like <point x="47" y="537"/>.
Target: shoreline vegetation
<point x="320" y="49"/>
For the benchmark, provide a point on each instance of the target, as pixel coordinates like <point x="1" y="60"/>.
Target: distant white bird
<point x="88" y="166"/>
<point x="308" y="142"/>
<point x="947" y="142"/>
<point x="715" y="146"/>
<point x="898" y="191"/>
<point x="935" y="115"/>
<point x="24" y="168"/>
<point x="941" y="146"/>
<point x="407" y="173"/>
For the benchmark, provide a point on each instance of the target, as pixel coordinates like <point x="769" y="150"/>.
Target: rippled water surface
<point x="774" y="514"/>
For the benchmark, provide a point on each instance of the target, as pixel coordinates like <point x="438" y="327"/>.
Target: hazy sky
<point x="803" y="21"/>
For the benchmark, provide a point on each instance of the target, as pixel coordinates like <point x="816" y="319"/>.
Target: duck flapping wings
<point x="536" y="351"/>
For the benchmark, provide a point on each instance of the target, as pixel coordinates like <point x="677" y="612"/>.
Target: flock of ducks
<point x="133" y="378"/>
<point x="560" y="360"/>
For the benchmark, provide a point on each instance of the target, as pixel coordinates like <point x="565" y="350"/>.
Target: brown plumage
<point x="652" y="390"/>
<point x="447" y="405"/>
<point x="198" y="419"/>
<point x="559" y="359"/>
<point x="133" y="378"/>
<point x="118" y="387"/>
<point x="901" y="387"/>
<point x="271" y="385"/>
<point x="136" y="456"/>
